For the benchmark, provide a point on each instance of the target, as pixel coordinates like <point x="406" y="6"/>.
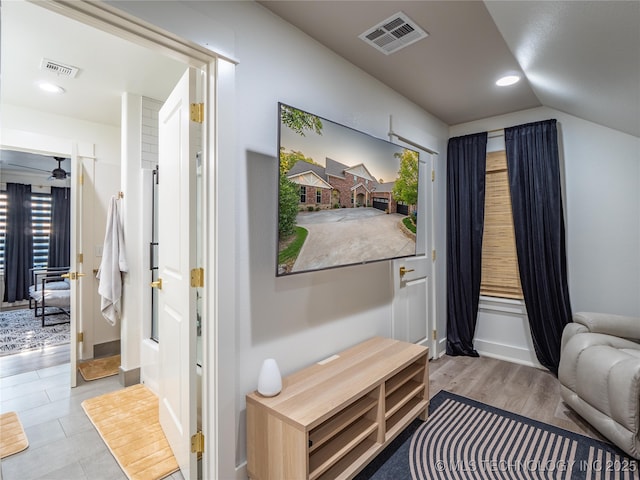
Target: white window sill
<point x="502" y="305"/>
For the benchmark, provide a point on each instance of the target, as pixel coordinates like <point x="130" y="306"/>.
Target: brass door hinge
<point x="197" y="112"/>
<point x="435" y="334"/>
<point x="197" y="443"/>
<point x="433" y="175"/>
<point x="81" y="179"/>
<point x="197" y="277"/>
<point x="80" y="257"/>
<point x="80" y="337"/>
<point x="433" y="255"/>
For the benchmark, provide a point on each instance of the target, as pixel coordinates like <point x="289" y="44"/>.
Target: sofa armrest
<point x="616" y="325"/>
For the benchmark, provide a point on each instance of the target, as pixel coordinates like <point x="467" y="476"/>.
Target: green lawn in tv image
<point x="344" y="198"/>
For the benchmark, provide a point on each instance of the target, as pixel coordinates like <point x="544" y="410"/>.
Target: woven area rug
<point x="99" y="367"/>
<point x="20" y="331"/>
<point x="468" y="439"/>
<point x="12" y="436"/>
<point x="127" y="421"/>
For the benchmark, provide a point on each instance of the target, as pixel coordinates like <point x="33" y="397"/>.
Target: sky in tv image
<point x="345" y="145"/>
<point x="344" y="197"/>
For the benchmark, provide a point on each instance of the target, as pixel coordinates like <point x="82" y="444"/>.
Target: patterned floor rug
<point x="468" y="439"/>
<point x="21" y="331"/>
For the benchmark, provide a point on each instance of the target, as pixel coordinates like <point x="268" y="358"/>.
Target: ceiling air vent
<point x="394" y="33"/>
<point x="58" y="68"/>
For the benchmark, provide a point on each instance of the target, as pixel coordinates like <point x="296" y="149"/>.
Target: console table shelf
<point x="333" y="417"/>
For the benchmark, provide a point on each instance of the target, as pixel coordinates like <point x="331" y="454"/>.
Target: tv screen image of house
<point x="344" y="197"/>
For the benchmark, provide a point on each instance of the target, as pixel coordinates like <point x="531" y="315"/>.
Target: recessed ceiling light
<point x="508" y="80"/>
<point x="50" y="87"/>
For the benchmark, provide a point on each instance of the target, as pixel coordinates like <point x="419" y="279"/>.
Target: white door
<point x="77" y="177"/>
<point x="412" y="310"/>
<point x="411" y="300"/>
<point x="176" y="258"/>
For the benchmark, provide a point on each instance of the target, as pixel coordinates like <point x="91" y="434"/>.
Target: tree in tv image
<point x="336" y="205"/>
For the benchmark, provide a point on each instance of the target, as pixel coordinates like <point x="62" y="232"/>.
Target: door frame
<point x="218" y="103"/>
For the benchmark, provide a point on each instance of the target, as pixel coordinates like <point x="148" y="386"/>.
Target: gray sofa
<point x="599" y="374"/>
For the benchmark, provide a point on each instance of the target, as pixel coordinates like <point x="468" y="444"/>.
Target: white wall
<point x="28" y="129"/>
<point x="302" y="318"/>
<point x="601" y="182"/>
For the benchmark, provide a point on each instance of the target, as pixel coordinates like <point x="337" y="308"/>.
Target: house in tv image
<point x="337" y="185"/>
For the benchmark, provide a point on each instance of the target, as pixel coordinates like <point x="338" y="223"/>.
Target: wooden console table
<point x="333" y="417"/>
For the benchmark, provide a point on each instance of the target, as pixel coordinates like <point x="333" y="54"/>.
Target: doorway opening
<point x="34" y="253"/>
<point x="103" y="17"/>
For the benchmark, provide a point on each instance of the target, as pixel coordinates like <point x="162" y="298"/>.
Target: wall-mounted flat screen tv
<point x="344" y="197"/>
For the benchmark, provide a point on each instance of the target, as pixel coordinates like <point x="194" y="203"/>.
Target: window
<point x="318" y="195"/>
<point x="40" y="223"/>
<point x="500" y="275"/>
<point x="303" y="194"/>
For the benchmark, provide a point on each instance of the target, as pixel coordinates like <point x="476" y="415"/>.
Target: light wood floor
<point x="524" y="390"/>
<point x="527" y="391"/>
<point x="34" y="360"/>
<point x="520" y="389"/>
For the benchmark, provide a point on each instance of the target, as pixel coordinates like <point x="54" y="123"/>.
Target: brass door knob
<point x="157" y="284"/>
<point x="72" y="275"/>
<point x="404" y="270"/>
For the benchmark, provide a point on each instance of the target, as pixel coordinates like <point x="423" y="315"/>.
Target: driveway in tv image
<point x="350" y="235"/>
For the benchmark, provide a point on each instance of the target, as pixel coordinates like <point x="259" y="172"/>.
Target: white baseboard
<point x="508" y="353"/>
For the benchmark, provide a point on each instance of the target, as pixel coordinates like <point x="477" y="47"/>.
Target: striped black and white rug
<point x="21" y="331"/>
<point x="465" y="439"/>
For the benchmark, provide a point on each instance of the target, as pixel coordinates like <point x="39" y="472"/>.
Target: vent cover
<point x="58" y="68"/>
<point x="394" y="33"/>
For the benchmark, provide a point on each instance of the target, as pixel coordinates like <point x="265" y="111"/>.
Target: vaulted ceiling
<point x="579" y="57"/>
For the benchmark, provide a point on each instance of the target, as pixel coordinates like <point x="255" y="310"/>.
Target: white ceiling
<point x="108" y="67"/>
<point x="579" y="57"/>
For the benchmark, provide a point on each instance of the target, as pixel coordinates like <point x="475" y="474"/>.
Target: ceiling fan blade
<point x="28" y="168"/>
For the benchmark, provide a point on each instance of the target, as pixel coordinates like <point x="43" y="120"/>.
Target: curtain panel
<point x="18" y="243"/>
<point x="534" y="181"/>
<point x="60" y="236"/>
<point x="466" y="169"/>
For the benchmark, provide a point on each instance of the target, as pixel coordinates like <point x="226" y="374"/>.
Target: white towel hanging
<point x="113" y="264"/>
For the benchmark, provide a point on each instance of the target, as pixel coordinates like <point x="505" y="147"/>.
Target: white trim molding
<point x="502" y="331"/>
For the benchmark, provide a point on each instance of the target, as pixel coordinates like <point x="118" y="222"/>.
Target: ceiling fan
<point x="57" y="173"/>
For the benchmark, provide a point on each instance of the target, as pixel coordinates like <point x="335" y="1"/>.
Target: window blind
<point x="500" y="275"/>
<point x="41" y="224"/>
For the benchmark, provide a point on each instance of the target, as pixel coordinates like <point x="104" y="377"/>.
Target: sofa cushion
<point x="607" y="378"/>
<point x="62" y="285"/>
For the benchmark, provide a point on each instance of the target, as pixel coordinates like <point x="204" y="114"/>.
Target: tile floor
<point x="63" y="444"/>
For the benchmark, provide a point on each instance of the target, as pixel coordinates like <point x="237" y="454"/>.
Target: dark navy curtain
<point x="18" y="249"/>
<point x="466" y="168"/>
<point x="59" y="238"/>
<point x="534" y="180"/>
